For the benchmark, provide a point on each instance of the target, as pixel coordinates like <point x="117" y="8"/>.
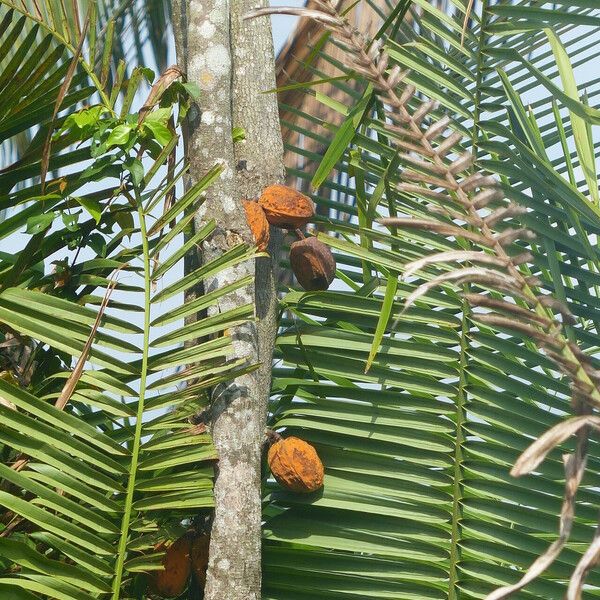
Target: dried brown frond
<point x="537" y="452"/>
<point x="506" y="307"/>
<point x="420" y="190"/>
<point x="436" y="226"/>
<point x="574" y="470"/>
<point x="451" y="256"/>
<point x="485" y="277"/>
<point x="544" y="340"/>
<point x="589" y="560"/>
<point x="512" y="210"/>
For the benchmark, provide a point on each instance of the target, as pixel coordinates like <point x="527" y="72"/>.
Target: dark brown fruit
<point x="285" y="207"/>
<point x="313" y="264"/>
<point x="177" y="566"/>
<point x="200" y="558"/>
<point x="258" y="224"/>
<point x="296" y="465"/>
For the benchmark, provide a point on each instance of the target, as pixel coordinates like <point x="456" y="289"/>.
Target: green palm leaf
<point x="418" y="501"/>
<point x="144" y="479"/>
<point x="99" y="465"/>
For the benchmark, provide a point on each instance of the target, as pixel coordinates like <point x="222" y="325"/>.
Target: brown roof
<point x="290" y="69"/>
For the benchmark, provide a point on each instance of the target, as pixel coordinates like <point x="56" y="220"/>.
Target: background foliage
<point x="419" y="416"/>
<point x="102" y="463"/>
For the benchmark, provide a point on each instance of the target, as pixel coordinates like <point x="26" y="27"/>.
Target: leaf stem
<point x="479" y="81"/>
<point x="122" y="552"/>
<point x="457" y="488"/>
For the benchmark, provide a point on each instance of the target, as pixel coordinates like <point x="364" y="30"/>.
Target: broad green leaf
<point x="384" y="318"/>
<point x="92" y="206"/>
<point x="582" y="141"/>
<point x="119" y="136"/>
<point x="39" y="223"/>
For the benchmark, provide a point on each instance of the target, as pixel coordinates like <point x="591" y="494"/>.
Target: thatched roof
<point x="289" y="66"/>
<point x="290" y="70"/>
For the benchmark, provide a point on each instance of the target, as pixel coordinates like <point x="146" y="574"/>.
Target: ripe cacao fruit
<point x="177" y="566"/>
<point x="313" y="264"/>
<point x="296" y="465"/>
<point x="200" y="558"/>
<point x="285" y="207"/>
<point x="258" y="223"/>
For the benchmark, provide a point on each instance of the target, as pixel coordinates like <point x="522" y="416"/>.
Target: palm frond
<point x="442" y="103"/>
<point x="116" y="500"/>
<point x="104" y="456"/>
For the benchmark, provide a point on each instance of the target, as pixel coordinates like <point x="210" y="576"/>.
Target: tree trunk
<point x="232" y="62"/>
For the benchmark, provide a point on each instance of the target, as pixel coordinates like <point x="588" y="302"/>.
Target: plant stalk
<point x="122" y="552"/>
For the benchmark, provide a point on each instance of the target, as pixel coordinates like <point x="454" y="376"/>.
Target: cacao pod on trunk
<point x="200" y="557"/>
<point x="172" y="580"/>
<point x="296" y="465"/>
<point x="313" y="264"/>
<point x="257" y="221"/>
<point x="285" y="207"/>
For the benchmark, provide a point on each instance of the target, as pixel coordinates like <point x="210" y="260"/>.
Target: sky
<point x="283" y="24"/>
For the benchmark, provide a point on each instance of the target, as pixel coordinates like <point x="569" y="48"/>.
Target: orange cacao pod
<point x="200" y="558"/>
<point x="313" y="264"/>
<point x="285" y="207"/>
<point x="296" y="465"/>
<point x="177" y="566"/>
<point x="258" y="223"/>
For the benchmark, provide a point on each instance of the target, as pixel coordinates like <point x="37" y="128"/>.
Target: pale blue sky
<point x="283" y="24"/>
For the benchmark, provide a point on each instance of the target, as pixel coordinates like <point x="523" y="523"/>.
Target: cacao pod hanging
<point x="171" y="581"/>
<point x="257" y="221"/>
<point x="313" y="264"/>
<point x="200" y="547"/>
<point x="285" y="207"/>
<point x="296" y="465"/>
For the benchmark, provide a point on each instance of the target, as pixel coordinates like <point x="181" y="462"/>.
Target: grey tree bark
<point x="232" y="62"/>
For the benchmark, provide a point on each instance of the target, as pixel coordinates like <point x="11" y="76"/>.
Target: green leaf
<point x="92" y="206"/>
<point x="39" y="223"/>
<point x="54" y="524"/>
<point x="48" y="586"/>
<point x="71" y="220"/>
<point x="159" y="131"/>
<point x="187" y="199"/>
<point x="384" y="318"/>
<point x="238" y="134"/>
<point x="159" y="115"/>
<point x="192" y="89"/>
<point x="25" y="556"/>
<point x="342" y="139"/>
<point x="136" y="169"/>
<point x="119" y="136"/>
<point x="580" y="132"/>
